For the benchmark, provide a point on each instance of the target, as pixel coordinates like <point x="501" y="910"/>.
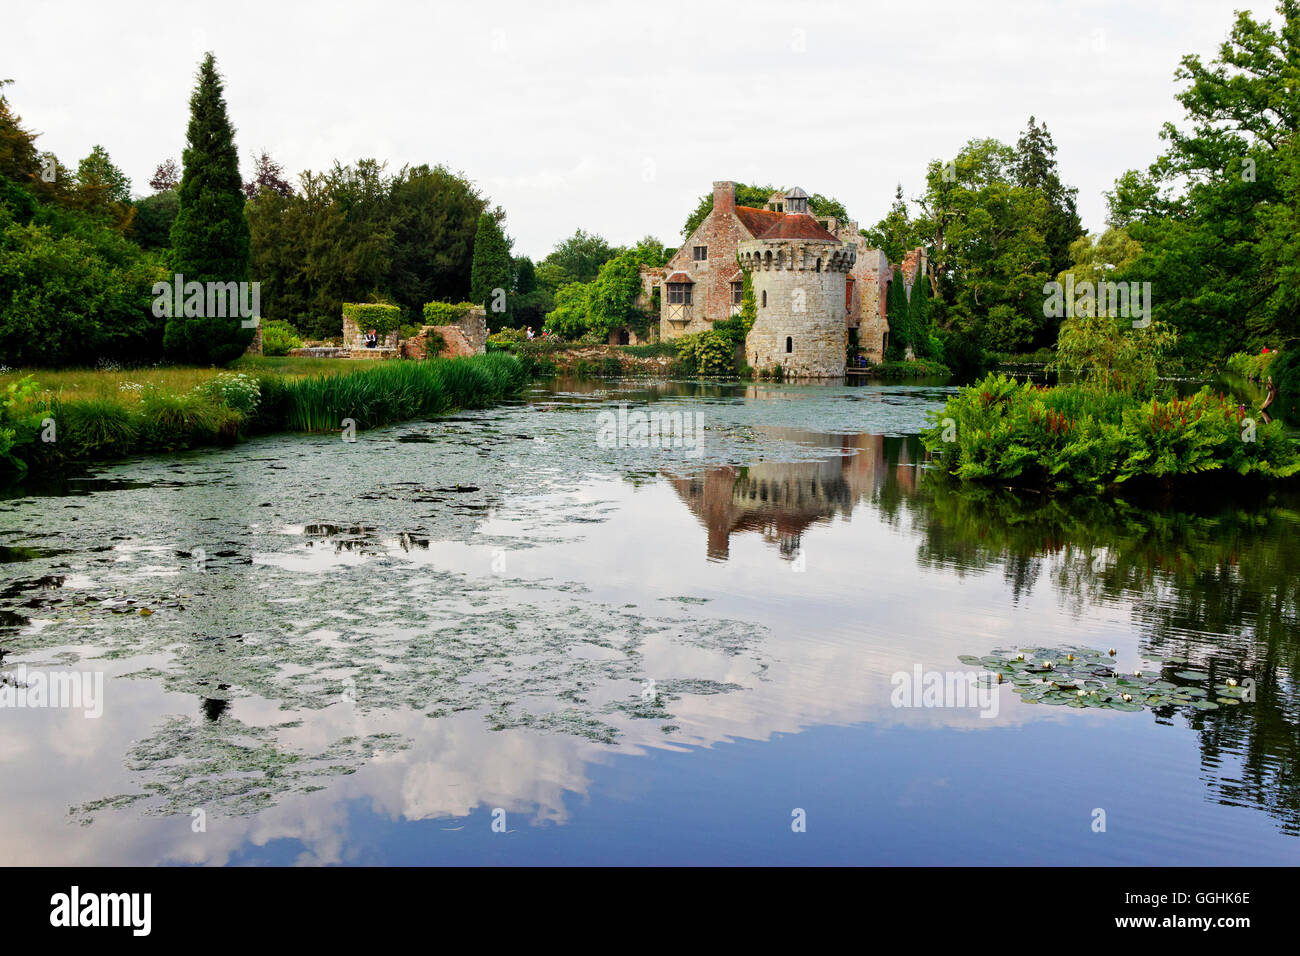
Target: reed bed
<point x="185" y="408"/>
<point x="398" y="391"/>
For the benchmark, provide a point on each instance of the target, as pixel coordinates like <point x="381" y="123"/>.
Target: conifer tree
<point x="210" y="240"/>
<point x="490" y="268"/>
<point x="918" y="317"/>
<point x="896" y="314"/>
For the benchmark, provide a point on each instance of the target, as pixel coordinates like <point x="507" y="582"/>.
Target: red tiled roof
<point x="757" y="221"/>
<point x="680" y="277"/>
<point x="798" y="226"/>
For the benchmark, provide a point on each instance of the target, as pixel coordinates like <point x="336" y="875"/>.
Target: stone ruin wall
<point x="466" y="336"/>
<point x="352" y="337"/>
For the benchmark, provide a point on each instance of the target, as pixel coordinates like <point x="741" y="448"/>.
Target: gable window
<point x="737" y="293"/>
<point x="679" y="293"/>
<point x="701" y="253"/>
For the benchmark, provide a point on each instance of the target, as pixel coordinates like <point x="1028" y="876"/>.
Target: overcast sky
<point x="616" y="117"/>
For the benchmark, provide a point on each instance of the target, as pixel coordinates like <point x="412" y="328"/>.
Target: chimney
<point x="724" y="197"/>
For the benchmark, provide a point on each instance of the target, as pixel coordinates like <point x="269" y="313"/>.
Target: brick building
<point x="814" y="279"/>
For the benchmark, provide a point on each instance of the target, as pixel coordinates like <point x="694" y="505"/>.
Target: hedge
<point x="374" y="315"/>
<point x="445" y="313"/>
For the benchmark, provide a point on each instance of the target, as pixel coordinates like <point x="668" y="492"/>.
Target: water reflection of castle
<point x="782" y="499"/>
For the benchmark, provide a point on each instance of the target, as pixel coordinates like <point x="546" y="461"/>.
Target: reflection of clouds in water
<point x="494" y="689"/>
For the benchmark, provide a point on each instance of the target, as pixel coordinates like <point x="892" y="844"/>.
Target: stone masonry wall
<point x="467" y="336"/>
<point x="871" y="274"/>
<point x="803" y="304"/>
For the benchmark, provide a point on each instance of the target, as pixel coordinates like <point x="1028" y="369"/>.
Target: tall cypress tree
<point x="491" y="264"/>
<point x="896" y="314"/>
<point x="210" y="235"/>
<point x="918" y="317"/>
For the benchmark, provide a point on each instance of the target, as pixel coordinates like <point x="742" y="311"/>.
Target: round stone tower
<point x="798" y="271"/>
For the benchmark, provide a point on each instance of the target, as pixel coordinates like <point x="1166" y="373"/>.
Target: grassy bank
<point x="1016" y="433"/>
<point x="52" y="419"/>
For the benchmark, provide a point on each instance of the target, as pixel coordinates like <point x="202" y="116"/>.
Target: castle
<point x="814" y="279"/>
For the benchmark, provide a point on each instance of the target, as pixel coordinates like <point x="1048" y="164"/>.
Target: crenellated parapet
<point x="809" y="255"/>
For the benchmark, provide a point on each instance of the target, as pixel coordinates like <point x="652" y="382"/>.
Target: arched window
<point x="789" y="345"/>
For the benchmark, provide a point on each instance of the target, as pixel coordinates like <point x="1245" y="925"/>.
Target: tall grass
<point x="125" y="384"/>
<point x="94" y="428"/>
<point x="397" y="391"/>
<point x="171" y="420"/>
<point x="106" y="420"/>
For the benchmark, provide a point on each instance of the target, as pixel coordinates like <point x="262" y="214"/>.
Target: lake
<point x="503" y="637"/>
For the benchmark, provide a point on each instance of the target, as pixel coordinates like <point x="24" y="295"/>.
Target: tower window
<point x="765" y="298"/>
<point x="701" y="253"/>
<point x="789" y="345"/>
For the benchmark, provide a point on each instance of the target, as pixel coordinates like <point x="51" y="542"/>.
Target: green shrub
<point x="651" y="350"/>
<point x="1019" y="433"/>
<point x="1252" y="366"/>
<point x="279" y="337"/>
<point x="70" y="299"/>
<point x="94" y="428"/>
<point x="16" y="429"/>
<point x="237" y="390"/>
<point x="710" y="353"/>
<point x="434" y="344"/>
